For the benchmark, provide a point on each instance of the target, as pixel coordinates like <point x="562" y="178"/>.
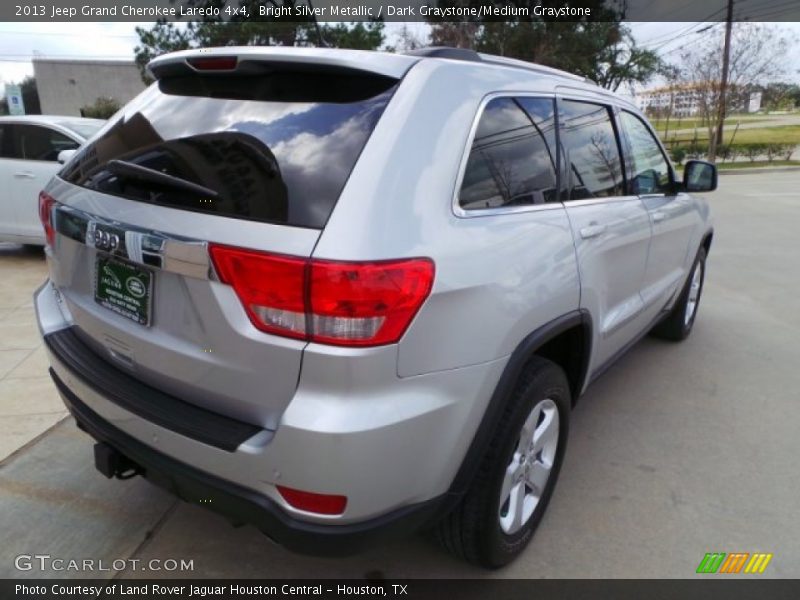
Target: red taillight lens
<point x="322" y="504"/>
<point x="271" y="288"/>
<point x="330" y="302"/>
<point x="366" y="304"/>
<point x="46" y="203"/>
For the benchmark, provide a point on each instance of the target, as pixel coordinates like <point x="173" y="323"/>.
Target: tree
<point x="163" y="37"/>
<point x="103" y="108"/>
<point x="601" y="49"/>
<point x="30" y="96"/>
<point x="358" y="36"/>
<point x="779" y="96"/>
<point x="454" y="34"/>
<point x="253" y="31"/>
<point x="758" y="54"/>
<point x="407" y="40"/>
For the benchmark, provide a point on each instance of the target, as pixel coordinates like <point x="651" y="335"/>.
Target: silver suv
<point x="345" y="295"/>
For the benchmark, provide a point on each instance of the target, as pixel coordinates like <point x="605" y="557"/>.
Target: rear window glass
<point x="271" y="148"/>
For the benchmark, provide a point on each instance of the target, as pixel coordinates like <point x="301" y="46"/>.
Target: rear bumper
<point x="243" y="505"/>
<point x="391" y="445"/>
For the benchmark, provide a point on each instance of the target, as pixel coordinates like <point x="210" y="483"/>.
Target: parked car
<point x="346" y="295"/>
<point x="30" y="147"/>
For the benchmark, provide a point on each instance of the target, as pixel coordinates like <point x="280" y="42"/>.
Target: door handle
<point x="592" y="231"/>
<point x="24" y="175"/>
<point x="659" y="216"/>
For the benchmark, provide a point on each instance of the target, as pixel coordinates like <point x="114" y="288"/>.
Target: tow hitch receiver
<point x="114" y="464"/>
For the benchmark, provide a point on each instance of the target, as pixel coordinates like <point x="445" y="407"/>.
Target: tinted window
<point x="592" y="153"/>
<point x="32" y="142"/>
<point x="5" y="152"/>
<point x="270" y="148"/>
<point x="7" y="148"/>
<point x="651" y="173"/>
<point x="512" y="156"/>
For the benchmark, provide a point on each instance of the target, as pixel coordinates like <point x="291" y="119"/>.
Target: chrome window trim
<point x="460" y="212"/>
<point x="561" y="93"/>
<point x="603" y="200"/>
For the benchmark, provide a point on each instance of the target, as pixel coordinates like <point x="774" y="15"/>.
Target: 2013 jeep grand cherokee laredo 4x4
<point x="345" y="294"/>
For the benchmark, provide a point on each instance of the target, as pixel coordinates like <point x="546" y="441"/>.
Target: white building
<point x="688" y="100"/>
<point x="678" y="101"/>
<point x="65" y="86"/>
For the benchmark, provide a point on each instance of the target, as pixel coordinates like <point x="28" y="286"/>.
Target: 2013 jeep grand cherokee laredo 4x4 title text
<point x="345" y="295"/>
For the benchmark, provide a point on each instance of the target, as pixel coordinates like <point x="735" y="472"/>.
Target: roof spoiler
<point x="261" y="60"/>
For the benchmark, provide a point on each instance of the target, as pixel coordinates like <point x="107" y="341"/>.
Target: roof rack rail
<point x="502" y="61"/>
<point x="446" y="52"/>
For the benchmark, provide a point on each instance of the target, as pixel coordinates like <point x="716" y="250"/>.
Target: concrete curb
<point x="755" y="170"/>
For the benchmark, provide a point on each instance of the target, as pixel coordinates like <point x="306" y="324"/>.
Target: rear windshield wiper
<point x="131" y="170"/>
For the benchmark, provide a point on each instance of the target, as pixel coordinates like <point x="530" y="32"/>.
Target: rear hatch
<point x="245" y="148"/>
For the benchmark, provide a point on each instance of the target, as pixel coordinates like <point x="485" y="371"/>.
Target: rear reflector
<point x="330" y="302"/>
<point x="213" y="63"/>
<point x="46" y="204"/>
<point x="322" y="504"/>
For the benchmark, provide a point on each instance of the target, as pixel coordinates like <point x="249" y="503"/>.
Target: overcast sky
<point x="20" y="41"/>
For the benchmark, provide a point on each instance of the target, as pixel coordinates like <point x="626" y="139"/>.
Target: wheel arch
<point x="566" y="341"/>
<point x="707" y="239"/>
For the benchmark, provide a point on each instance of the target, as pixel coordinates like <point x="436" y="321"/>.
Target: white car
<point x="30" y="147"/>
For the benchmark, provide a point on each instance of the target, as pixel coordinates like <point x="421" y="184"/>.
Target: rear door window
<point x="594" y="168"/>
<point x="275" y="148"/>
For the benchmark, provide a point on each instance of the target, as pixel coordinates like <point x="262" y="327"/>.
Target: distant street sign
<point x="14" y="99"/>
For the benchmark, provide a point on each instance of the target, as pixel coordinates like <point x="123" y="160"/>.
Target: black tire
<point x="675" y="325"/>
<point x="472" y="531"/>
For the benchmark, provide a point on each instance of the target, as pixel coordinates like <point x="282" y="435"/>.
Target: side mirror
<point x="699" y="176"/>
<point x="65" y="155"/>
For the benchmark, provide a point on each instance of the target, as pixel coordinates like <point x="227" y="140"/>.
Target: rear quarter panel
<point x="497" y="277"/>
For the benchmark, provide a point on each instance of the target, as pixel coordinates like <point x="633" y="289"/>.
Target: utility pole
<point x="716" y="140"/>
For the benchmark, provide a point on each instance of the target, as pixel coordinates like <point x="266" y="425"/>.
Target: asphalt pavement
<point x="680" y="449"/>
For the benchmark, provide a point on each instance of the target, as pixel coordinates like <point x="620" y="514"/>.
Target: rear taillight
<point x="330" y="302"/>
<point x="46" y="203"/>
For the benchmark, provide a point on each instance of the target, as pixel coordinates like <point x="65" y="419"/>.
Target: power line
<point x="774" y="13"/>
<point x="693" y="42"/>
<point x="773" y="6"/>
<point x="687" y="31"/>
<point x="678" y="9"/>
<point x="663" y="40"/>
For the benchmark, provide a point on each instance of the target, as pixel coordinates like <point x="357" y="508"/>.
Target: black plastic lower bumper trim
<point x="247" y="506"/>
<point x="145" y="401"/>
